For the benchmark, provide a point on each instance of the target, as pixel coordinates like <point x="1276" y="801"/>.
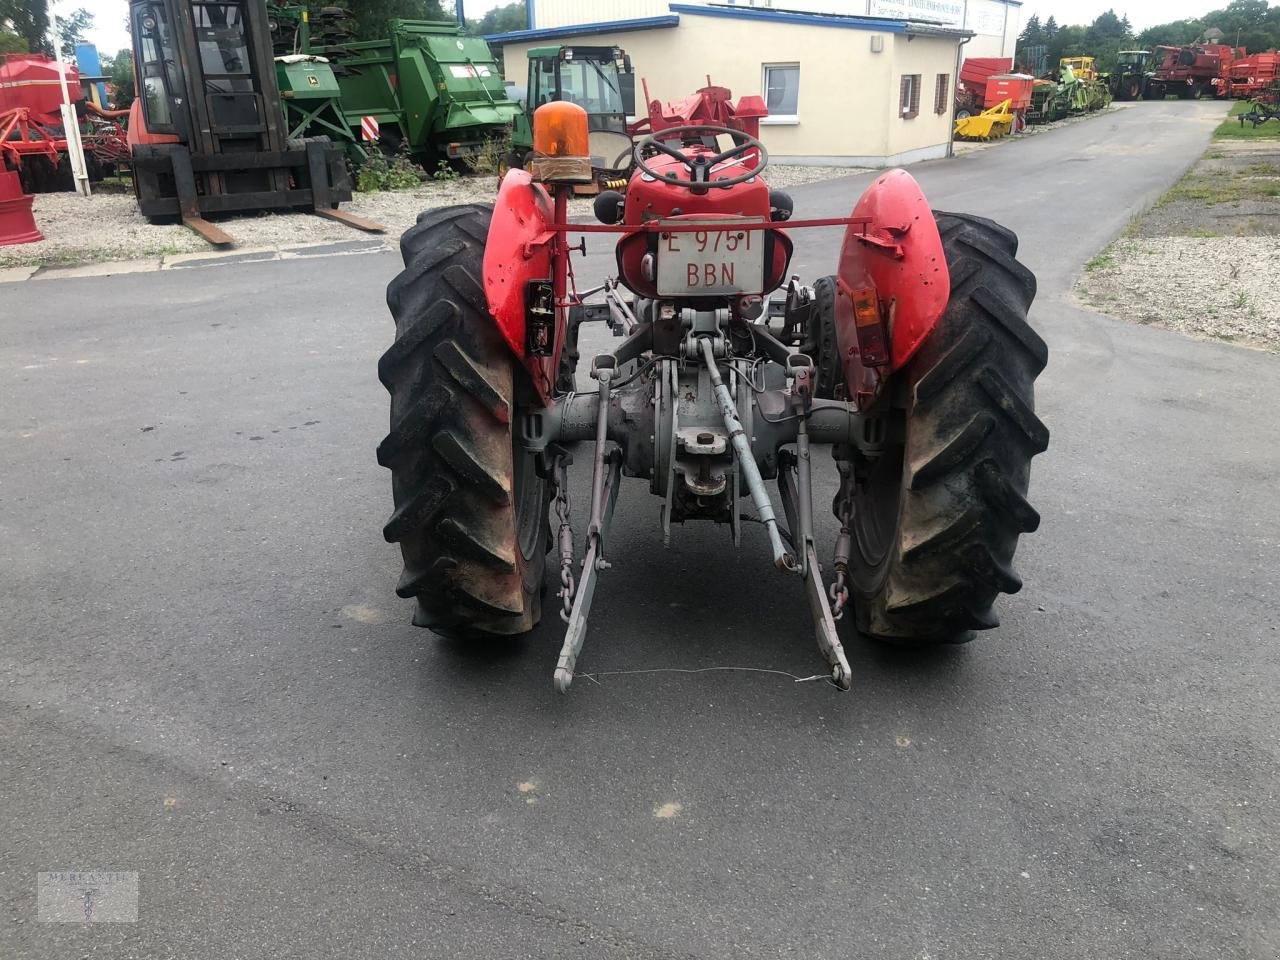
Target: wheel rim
<point x="530" y="494"/>
<point x="877" y="504"/>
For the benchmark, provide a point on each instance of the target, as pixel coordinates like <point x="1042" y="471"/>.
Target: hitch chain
<point x="567" y="585"/>
<point x="839" y="591"/>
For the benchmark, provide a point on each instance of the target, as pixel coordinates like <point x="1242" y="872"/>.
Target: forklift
<point x="207" y="132"/>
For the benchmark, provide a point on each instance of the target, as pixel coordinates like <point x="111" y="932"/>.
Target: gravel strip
<point x="107" y="226"/>
<point x="1218" y="287"/>
<point x="1205" y="259"/>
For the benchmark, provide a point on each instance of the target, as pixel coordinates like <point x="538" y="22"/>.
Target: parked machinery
<point x="312" y="102"/>
<point x="433" y="93"/>
<point x="1249" y="76"/>
<point x="32" y="136"/>
<point x="971" y="91"/>
<point x="1264" y="106"/>
<point x="1070" y="94"/>
<point x="1193" y="71"/>
<point x="991" y="124"/>
<point x="1128" y="81"/>
<point x="207" y="131"/>
<point x="913" y="363"/>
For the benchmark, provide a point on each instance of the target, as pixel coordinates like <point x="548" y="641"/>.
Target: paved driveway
<point x="206" y="678"/>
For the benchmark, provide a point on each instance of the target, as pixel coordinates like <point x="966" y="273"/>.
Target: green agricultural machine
<point x="426" y="89"/>
<point x="1052" y="101"/>
<point x="312" y="102"/>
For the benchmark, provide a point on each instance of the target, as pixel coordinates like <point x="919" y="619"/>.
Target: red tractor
<point x="913" y="364"/>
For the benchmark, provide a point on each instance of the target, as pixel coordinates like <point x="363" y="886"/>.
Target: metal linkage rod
<point x="747" y="461"/>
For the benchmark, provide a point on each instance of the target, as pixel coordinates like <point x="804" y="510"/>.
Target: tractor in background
<point x="912" y="365"/>
<point x="598" y="79"/>
<point x="1129" y="80"/>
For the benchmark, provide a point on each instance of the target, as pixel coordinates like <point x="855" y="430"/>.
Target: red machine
<point x="17" y="224"/>
<point x="1010" y="86"/>
<point x="1251" y="75"/>
<point x="32" y="81"/>
<point x="710" y="105"/>
<point x="913" y="361"/>
<point x="31" y="128"/>
<point x="971" y="91"/>
<point x="1195" y="71"/>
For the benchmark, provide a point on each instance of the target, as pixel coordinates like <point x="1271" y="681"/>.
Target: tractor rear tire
<point x="937" y="519"/>
<point x="470" y="509"/>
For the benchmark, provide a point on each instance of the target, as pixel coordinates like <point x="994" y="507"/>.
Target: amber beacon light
<point x="560" y="143"/>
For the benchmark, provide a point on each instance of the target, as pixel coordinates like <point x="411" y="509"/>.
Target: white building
<point x="847" y="82"/>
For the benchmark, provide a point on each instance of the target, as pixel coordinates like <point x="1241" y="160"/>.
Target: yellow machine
<point x="1082" y="67"/>
<point x="987" y="125"/>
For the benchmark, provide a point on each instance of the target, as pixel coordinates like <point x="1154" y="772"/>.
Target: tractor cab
<point x="598" y="79"/>
<point x="1133" y="61"/>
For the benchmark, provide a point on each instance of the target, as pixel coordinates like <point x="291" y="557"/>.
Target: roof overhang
<point x="838" y="20"/>
<point x="585" y="29"/>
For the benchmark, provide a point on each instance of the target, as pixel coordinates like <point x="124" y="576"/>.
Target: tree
<point x="372" y="15"/>
<point x="1032" y="33"/>
<point x="513" y="16"/>
<point x="10" y="42"/>
<point x="1174" y="34"/>
<point x="1050" y="29"/>
<point x="119" y="73"/>
<point x="29" y="19"/>
<point x="72" y="29"/>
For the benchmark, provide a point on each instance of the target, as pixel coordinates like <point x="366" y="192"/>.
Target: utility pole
<point x="70" y="123"/>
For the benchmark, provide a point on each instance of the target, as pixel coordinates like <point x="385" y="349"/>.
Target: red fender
<point x="899" y="256"/>
<point x="517" y="250"/>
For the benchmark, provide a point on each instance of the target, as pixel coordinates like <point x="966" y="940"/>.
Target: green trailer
<point x="432" y="92"/>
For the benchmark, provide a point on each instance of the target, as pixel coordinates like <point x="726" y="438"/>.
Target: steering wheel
<point x="699" y="165"/>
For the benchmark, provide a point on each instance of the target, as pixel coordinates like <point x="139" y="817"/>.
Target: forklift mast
<point x="208" y="132"/>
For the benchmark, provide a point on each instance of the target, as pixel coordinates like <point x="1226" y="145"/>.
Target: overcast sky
<point x="110" y="33"/>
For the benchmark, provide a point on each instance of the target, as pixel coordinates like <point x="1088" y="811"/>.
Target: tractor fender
<point x="517" y="250"/>
<point x="898" y="253"/>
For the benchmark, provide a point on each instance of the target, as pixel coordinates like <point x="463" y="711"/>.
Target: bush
<point x="378" y="173"/>
<point x="490" y="158"/>
<point x="444" y="173"/>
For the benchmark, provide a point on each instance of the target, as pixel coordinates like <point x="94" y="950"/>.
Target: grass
<point x="1222" y="189"/>
<point x="1103" y="260"/>
<point x="1232" y="129"/>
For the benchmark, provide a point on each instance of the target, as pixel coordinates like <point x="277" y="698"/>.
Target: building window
<point x="909" y="96"/>
<point x="782" y="92"/>
<point x="940" y="92"/>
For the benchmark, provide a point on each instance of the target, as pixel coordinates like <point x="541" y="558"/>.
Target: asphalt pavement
<point x="207" y="679"/>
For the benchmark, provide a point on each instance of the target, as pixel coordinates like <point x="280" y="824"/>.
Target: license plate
<point x="718" y="260"/>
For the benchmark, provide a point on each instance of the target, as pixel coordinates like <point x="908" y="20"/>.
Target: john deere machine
<point x="207" y="132"/>
<point x="430" y="91"/>
<point x="908" y="372"/>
